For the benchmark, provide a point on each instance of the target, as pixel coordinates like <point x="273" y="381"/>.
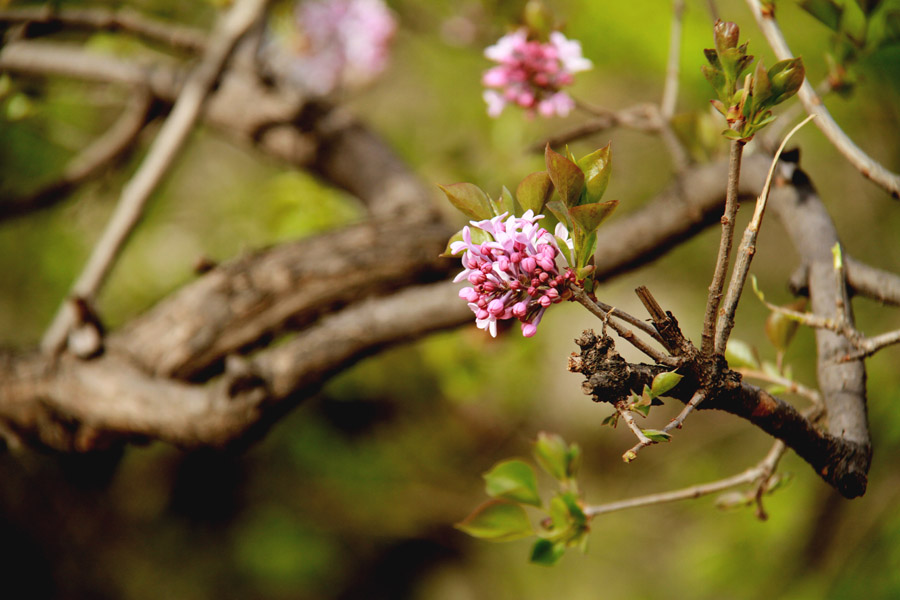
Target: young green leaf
<point x="826" y="11"/>
<point x="657" y="435"/>
<point x="664" y="382"/>
<point x="780" y="328"/>
<point x="469" y="199"/>
<point x="497" y="521"/>
<point x="545" y="552"/>
<point x="567" y="178"/>
<point x="589" y="216"/>
<point x="597" y="167"/>
<point x="552" y="454"/>
<point x="513" y="480"/>
<point x="534" y="191"/>
<point x="740" y="354"/>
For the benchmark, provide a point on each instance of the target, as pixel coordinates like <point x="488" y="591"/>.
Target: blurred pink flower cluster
<point x="342" y="43"/>
<point x="518" y="273"/>
<point x="530" y="73"/>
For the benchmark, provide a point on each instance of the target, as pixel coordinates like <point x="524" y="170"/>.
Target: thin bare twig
<point x="89" y="161"/>
<point x="159" y="158"/>
<point x="866" y="165"/>
<point x="790" y="386"/>
<point x="724" y="255"/>
<point x="670" y="88"/>
<point x="676" y="423"/>
<point x="746" y="251"/>
<point x="873" y="283"/>
<point x="626" y="334"/>
<point x="121" y="19"/>
<point x="760" y="472"/>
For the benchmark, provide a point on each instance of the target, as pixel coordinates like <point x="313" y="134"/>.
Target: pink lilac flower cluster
<point x="531" y="73"/>
<point x="518" y="273"/>
<point x="343" y="43"/>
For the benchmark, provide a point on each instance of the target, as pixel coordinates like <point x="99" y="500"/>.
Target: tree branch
<point x="51" y="18"/>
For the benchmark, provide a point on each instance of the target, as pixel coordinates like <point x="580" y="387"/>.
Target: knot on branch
<point x="608" y="378"/>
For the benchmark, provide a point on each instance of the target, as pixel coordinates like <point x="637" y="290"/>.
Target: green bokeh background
<point x="353" y="495"/>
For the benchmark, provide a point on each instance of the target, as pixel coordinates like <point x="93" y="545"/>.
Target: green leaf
<point x="573" y="462"/>
<point x="560" y="516"/>
<point x="469" y="199"/>
<point x="559" y="211"/>
<point x="854" y="24"/>
<point x="534" y="191"/>
<point x="567" y="178"/>
<point x="643" y="409"/>
<point x="762" y="86"/>
<point x="780" y="328"/>
<point x="664" y="382"/>
<point x="552" y="453"/>
<point x="740" y="354"/>
<point x="572" y="504"/>
<point x="504" y="204"/>
<point x="19" y="107"/>
<point x="513" y="480"/>
<point x="545" y="552"/>
<point x="566" y="251"/>
<point x="657" y="435"/>
<point x="868" y="6"/>
<point x="589" y="216"/>
<point x="584" y="251"/>
<point x="597" y="167"/>
<point x="826" y="11"/>
<point x="612" y="420"/>
<point x="497" y="521"/>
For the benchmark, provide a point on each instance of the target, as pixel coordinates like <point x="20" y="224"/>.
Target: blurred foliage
<point x="353" y="495"/>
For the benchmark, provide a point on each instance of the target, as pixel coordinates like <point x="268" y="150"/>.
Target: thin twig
<point x="689" y="493"/>
<point x="746" y="251"/>
<point x="122" y="19"/>
<point x="866" y="165"/>
<point x="869" y="346"/>
<point x="629" y="420"/>
<point x="790" y="386"/>
<point x="675" y="423"/>
<point x="722" y="259"/>
<point x="159" y="158"/>
<point x="626" y="334"/>
<point x="670" y="89"/>
<point x="95" y="157"/>
<point x="628" y="318"/>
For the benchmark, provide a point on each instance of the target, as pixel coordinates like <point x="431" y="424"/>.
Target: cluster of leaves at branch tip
<point x="512" y="485"/>
<point x="571" y="189"/>
<point x="747" y="109"/>
<point x="859" y="29"/>
<point x="641" y="404"/>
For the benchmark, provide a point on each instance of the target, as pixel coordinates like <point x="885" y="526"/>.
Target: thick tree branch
<point x="840" y="461"/>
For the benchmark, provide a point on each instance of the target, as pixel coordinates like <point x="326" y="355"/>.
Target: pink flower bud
<point x="489" y="286"/>
<point x="545" y="301"/>
<point x="482" y="314"/>
<point x="468" y="294"/>
<point x="519" y="309"/>
<point x="546" y="263"/>
<point x="529" y="264"/>
<point x="528" y="329"/>
<point x="496" y="306"/>
<point x="476" y="277"/>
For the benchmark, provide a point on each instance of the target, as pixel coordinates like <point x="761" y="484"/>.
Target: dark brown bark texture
<point x="199" y="368"/>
